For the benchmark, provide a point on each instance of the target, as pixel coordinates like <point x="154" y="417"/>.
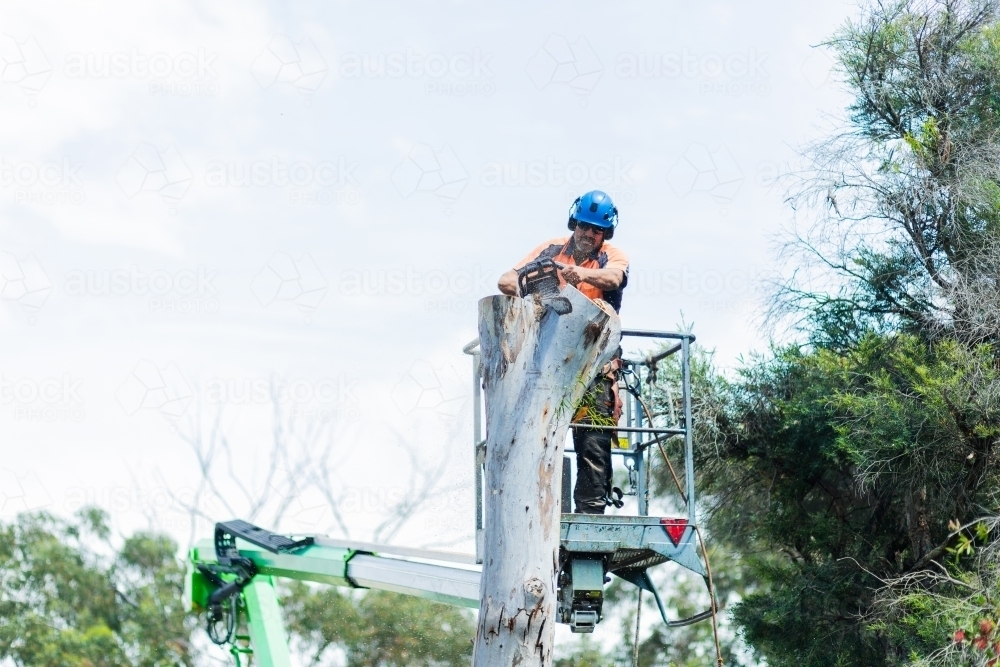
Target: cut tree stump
<point x="536" y="366"/>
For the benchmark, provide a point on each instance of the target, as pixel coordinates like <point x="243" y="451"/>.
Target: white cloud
<point x="415" y="148"/>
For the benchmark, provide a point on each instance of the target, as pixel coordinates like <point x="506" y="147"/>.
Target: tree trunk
<point x="536" y="367"/>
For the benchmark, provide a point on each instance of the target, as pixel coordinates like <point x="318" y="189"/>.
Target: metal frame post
<point x="688" y="427"/>
<point x="267" y="631"/>
<point x="631" y="410"/>
<point x="640" y="465"/>
<point x="478" y="442"/>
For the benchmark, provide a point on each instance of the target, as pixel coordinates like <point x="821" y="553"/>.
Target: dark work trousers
<point x="593" y="450"/>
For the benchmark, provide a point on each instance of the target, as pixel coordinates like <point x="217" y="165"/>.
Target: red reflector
<point x="675" y="528"/>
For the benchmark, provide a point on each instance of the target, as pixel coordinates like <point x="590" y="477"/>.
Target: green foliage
<point x="849" y="475"/>
<point x="907" y="195"/>
<point x="585" y="653"/>
<point x="683" y="595"/>
<point x="832" y="472"/>
<point x="66" y="597"/>
<point x="377" y="629"/>
<point x="771" y="476"/>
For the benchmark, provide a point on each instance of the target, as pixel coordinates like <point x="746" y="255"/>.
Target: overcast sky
<point x="197" y="199"/>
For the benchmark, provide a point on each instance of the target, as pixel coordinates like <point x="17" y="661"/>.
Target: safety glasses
<point x="587" y="227"/>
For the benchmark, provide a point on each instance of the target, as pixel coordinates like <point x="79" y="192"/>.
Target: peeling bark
<point x="536" y="366"/>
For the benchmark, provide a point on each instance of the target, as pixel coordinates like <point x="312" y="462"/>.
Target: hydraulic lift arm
<point x="233" y="576"/>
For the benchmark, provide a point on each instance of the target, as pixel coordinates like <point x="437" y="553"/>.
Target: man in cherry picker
<point x="600" y="271"/>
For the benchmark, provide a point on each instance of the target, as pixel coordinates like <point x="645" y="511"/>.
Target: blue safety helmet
<point x="595" y="208"/>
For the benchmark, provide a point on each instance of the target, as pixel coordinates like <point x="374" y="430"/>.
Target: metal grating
<point x="635" y="559"/>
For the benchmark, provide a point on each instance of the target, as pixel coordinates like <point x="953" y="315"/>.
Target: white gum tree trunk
<point x="536" y="367"/>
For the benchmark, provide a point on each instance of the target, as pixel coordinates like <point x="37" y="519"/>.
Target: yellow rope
<point x="711" y="594"/>
<point x="635" y="646"/>
<point x="704" y="551"/>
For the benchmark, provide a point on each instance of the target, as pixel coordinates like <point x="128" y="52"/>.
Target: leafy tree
<point x="585" y="653"/>
<point x="835" y="473"/>
<point x="849" y="472"/>
<point x="684" y="596"/>
<point x="376" y="629"/>
<point x="905" y="198"/>
<point x="68" y="598"/>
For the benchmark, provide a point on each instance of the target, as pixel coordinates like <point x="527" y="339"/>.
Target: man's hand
<point x="508" y="283"/>
<point x="574" y="275"/>
<point x="619" y="404"/>
<point x="605" y="279"/>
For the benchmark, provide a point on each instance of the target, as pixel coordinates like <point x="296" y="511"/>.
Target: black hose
<point x="230" y="622"/>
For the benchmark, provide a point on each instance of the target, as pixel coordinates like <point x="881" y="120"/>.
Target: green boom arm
<point x="425" y="574"/>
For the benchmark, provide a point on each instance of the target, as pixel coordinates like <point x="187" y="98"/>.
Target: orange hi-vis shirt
<point x="606" y="257"/>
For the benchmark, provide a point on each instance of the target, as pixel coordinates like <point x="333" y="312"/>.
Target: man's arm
<point x="602" y="279"/>
<point x="508" y="283"/>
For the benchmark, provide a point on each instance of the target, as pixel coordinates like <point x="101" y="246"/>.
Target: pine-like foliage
<point x="853" y="473"/>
